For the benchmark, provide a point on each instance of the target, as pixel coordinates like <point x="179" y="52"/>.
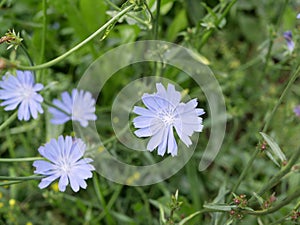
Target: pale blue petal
<point x="149" y="131"/>
<point x="59" y="104"/>
<point x="161" y="91"/>
<point x="155" y="140"/>
<point x="67" y="99"/>
<point x="183" y="137"/>
<point x="80" y="105"/>
<point x="38" y="87"/>
<point x="172" y="145"/>
<point x="48" y="180"/>
<point x="74" y="182"/>
<point x="23" y="112"/>
<point x="82" y="171"/>
<point x="173" y="96"/>
<point x="83" y="122"/>
<point x="76" y="153"/>
<point x="143" y="121"/>
<point x="68" y="145"/>
<point x="63" y="182"/>
<point x="43" y="167"/>
<point x="200" y="112"/>
<point x="162" y="147"/>
<point x="143" y="112"/>
<point x="150" y="103"/>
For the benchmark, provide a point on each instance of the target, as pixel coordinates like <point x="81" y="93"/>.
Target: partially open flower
<point x="297" y="110"/>
<point x="289" y="40"/>
<point x="79" y="106"/>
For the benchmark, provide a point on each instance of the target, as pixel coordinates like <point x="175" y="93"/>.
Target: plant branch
<point x="63" y="56"/>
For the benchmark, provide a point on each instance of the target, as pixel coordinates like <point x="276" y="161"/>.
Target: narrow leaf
<point x="220" y="207"/>
<point x="259" y="199"/>
<point x="272" y="158"/>
<point x="274" y="146"/>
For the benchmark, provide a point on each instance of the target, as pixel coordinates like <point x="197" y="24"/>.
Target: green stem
<point x="193" y="180"/>
<point x="44" y="31"/>
<point x="280" y="221"/>
<point x="21" y="178"/>
<point x="63" y="56"/>
<point x="268" y="56"/>
<point x="281" y="204"/>
<point x="40" y="75"/>
<point x="129" y="15"/>
<point x="9" y="183"/>
<point x="186" y="219"/>
<point x="26" y="54"/>
<point x="114" y="137"/>
<point x="84" y="202"/>
<point x="265" y="128"/>
<point x="156" y="68"/>
<point x="111" y="202"/>
<point x="287" y="88"/>
<point x="8" y="121"/>
<point x="286" y="169"/>
<point x="29" y="159"/>
<point x="209" y="33"/>
<point x="282" y="9"/>
<point x="101" y="199"/>
<point x="156" y="21"/>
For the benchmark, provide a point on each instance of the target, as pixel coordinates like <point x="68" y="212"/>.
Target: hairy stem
<point x="266" y="126"/>
<point x="207" y="35"/>
<point x="8" y="121"/>
<point x="92" y="36"/>
<point x="29" y="159"/>
<point x="21" y="178"/>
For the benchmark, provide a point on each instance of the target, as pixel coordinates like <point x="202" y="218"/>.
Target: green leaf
<point x="165" y="6"/>
<point x="221" y="195"/>
<point x="272" y="158"/>
<point x="209" y="10"/>
<point x="220" y="207"/>
<point x="199" y="57"/>
<point x="259" y="199"/>
<point x="189" y="217"/>
<point x="274" y="146"/>
<point x="229" y="222"/>
<point x="123" y="218"/>
<point x="93" y="13"/>
<point x="179" y="23"/>
<point x="161" y="210"/>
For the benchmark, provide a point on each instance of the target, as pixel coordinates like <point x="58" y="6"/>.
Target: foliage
<point x="243" y="43"/>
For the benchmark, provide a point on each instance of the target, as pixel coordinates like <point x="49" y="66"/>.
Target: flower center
<point x="28" y="92"/>
<point x="167" y="117"/>
<point x="77" y="112"/>
<point x="65" y="167"/>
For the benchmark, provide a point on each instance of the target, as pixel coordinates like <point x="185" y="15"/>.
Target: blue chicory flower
<point x="298" y="16"/>
<point x="66" y="163"/>
<point x="21" y="91"/>
<point x="79" y="106"/>
<point x="165" y="112"/>
<point x="297" y="110"/>
<point x="289" y="40"/>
